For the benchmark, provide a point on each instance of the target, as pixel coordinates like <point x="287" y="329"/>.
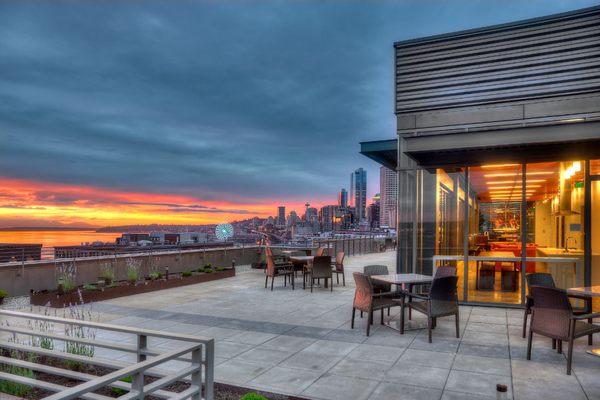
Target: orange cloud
<point x="87" y="205"/>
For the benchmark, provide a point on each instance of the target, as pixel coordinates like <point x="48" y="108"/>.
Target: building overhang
<point x="384" y="152"/>
<point x="566" y="141"/>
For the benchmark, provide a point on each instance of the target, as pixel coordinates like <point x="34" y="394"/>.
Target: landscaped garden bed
<point x="106" y="288"/>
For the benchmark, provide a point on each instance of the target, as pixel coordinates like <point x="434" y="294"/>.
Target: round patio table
<point x="589" y="291"/>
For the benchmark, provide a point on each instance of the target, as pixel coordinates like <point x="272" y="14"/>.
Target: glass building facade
<point x="498" y="155"/>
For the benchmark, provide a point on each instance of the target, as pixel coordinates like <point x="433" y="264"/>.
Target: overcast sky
<point x="218" y="100"/>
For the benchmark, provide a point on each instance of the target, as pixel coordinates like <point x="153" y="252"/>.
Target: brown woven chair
<point x="272" y="271"/>
<point x="546" y="280"/>
<point x="442" y="301"/>
<point x="320" y="252"/>
<point x="338" y="267"/>
<point x="320" y="269"/>
<point x="367" y="300"/>
<point x="552" y="316"/>
<point x="378" y="287"/>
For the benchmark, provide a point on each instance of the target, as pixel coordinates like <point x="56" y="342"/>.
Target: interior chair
<point x="442" y="301"/>
<point x="545" y="279"/>
<point x="338" y="267"/>
<point x="552" y="316"/>
<point x="367" y="300"/>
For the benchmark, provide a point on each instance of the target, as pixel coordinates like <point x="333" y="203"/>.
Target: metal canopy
<point x="385" y="152"/>
<point x="528" y="144"/>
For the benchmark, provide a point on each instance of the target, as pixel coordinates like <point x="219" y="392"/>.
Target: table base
<point x="409" y="325"/>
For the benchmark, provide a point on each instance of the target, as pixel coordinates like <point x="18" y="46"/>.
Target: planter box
<point x="53" y="299"/>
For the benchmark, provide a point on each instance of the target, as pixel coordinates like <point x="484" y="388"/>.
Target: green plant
<point x="3" y="293"/>
<point x="119" y="391"/>
<point x="207" y="270"/>
<point x="219" y="269"/>
<point x="133" y="269"/>
<point x="108" y="272"/>
<point x="208" y="265"/>
<point x="79" y="332"/>
<point x="16" y="389"/>
<point x="65" y="277"/>
<point x="90" y="286"/>
<point x="186" y="273"/>
<point x="253" y="396"/>
<point x="155" y="275"/>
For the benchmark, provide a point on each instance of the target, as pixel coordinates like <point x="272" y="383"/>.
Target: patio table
<point x="403" y="280"/>
<point x="588" y="291"/>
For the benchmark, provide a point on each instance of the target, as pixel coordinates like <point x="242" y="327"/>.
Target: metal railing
<point x="197" y="353"/>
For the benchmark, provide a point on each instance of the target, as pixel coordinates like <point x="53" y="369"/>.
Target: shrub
<point x="108" y="272"/>
<point x="208" y="265"/>
<point x="207" y="270"/>
<point x="90" y="286"/>
<point x="219" y="269"/>
<point x="253" y="396"/>
<point x="3" y="293"/>
<point x="79" y="332"/>
<point x="186" y="273"/>
<point x="65" y="276"/>
<point x="119" y="391"/>
<point x="16" y="389"/>
<point x="155" y="275"/>
<point x="133" y="269"/>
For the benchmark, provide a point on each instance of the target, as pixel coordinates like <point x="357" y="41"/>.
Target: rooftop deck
<point x="298" y="343"/>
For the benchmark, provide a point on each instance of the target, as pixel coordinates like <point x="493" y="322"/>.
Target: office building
<point x="281" y="216"/>
<point x="343" y="198"/>
<point x="388" y="187"/>
<point x="358" y="193"/>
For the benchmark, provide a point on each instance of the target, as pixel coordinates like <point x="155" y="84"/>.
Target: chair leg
<point x="553" y="344"/>
<point x="402" y="316"/>
<point x="429" y="326"/>
<point x="559" y="350"/>
<point x="331" y="284"/>
<point x="272" y="280"/>
<point x="529" y="340"/>
<point x="525" y="323"/>
<point x="343" y="279"/>
<point x="570" y="355"/>
<point x="312" y="282"/>
<point x="266" y="280"/>
<point x="352" y="321"/>
<point x="590" y="338"/>
<point x="285" y="281"/>
<point x="369" y="321"/>
<point x="382" y="316"/>
<point x="293" y="281"/>
<point x="389" y="311"/>
<point x="457" y="325"/>
<point x="337" y="277"/>
<point x="361" y="314"/>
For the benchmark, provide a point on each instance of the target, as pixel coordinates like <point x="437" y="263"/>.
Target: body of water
<point x="52" y="238"/>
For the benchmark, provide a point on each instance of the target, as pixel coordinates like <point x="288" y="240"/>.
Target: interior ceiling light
<point x="499" y="165"/>
<point x="518" y="173"/>
<point x="514" y="187"/>
<point x="514" y="181"/>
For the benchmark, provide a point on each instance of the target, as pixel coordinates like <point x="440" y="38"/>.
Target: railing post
<point x="137" y="385"/>
<point x="209" y="372"/>
<point x="142" y="345"/>
<point x="197" y="374"/>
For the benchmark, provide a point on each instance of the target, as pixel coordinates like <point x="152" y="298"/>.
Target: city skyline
<point x="131" y="113"/>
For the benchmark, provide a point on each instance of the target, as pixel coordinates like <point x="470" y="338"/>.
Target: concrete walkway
<point x="298" y="343"/>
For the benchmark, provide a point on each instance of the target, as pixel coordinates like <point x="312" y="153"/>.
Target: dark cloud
<point x="216" y="100"/>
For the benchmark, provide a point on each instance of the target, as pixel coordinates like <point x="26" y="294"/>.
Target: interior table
<point x="588" y="291"/>
<point x="493" y="257"/>
<point x="402" y="283"/>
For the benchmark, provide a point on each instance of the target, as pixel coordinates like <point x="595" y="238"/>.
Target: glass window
<point x="495" y="233"/>
<point x="555" y="209"/>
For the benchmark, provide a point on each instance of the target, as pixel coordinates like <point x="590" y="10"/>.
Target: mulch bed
<point x="222" y="391"/>
<point x="123" y="288"/>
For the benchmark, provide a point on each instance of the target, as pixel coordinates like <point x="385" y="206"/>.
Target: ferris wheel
<point x="224" y="231"/>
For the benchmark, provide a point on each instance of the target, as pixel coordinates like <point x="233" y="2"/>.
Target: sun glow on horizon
<point x="59" y="204"/>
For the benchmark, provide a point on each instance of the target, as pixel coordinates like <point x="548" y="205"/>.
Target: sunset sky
<point x="131" y="112"/>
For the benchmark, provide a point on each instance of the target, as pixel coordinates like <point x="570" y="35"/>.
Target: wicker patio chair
<point x="320" y="269"/>
<point x="367" y="300"/>
<point x="442" y="301"/>
<point x="320" y="252"/>
<point x="378" y="287"/>
<point x="338" y="267"/>
<point x="272" y="271"/>
<point x="552" y="316"/>
<point x="546" y="280"/>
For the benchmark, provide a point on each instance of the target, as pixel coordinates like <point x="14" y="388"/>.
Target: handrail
<point x="147" y="361"/>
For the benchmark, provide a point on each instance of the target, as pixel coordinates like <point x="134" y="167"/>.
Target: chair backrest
<point x="442" y="294"/>
<point x="321" y="267"/>
<point x="375" y="270"/>
<point x="320" y="252"/>
<point x="363" y="294"/>
<point x="540" y="279"/>
<point x="339" y="261"/>
<point x="270" y="270"/>
<point x="445" y="270"/>
<point x="551" y="311"/>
